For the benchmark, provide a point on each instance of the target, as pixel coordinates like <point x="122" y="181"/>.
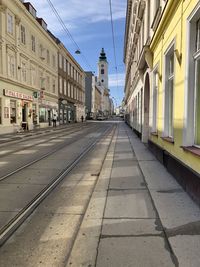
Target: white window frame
<point x="169" y="122"/>
<point x="33" y="76"/>
<point x="53" y="86"/>
<point x="155" y="89"/>
<point x="23" y="71"/>
<point x="11" y="65"/>
<point x="190" y="81"/>
<point x="23" y="34"/>
<point x="60" y="61"/>
<point x="33" y="43"/>
<point x="10" y="23"/>
<point x="65" y="87"/>
<point x="60" y="85"/>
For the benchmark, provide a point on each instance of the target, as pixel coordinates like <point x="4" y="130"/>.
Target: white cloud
<point x="78" y="13"/>
<point x="117" y="80"/>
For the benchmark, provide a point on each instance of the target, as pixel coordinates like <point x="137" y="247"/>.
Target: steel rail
<point x="36" y="134"/>
<point x="59" y="134"/>
<point x="42" y="157"/>
<point x="14" y="223"/>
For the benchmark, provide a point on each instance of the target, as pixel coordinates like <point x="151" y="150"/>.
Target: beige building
<point x="141" y="22"/>
<point x="97" y="102"/>
<point x="71" y="87"/>
<point x="28" y="68"/>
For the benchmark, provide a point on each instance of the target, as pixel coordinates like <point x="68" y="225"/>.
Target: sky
<point x="88" y="22"/>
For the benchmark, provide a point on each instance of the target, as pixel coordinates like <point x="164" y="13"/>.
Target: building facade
<point x="71" y="87"/>
<point x="166" y="113"/>
<point x="28" y="68"/>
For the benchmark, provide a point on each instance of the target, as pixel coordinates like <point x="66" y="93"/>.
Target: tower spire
<point x="103" y="55"/>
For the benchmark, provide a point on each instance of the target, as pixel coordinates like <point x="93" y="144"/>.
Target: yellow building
<point x="162" y="92"/>
<point x="175" y="93"/>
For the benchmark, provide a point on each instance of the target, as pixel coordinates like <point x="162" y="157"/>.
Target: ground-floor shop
<point x="67" y="112"/>
<point x="15" y="109"/>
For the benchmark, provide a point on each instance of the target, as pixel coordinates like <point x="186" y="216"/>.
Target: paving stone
<point x="132" y="252"/>
<point x="129" y="204"/>
<point x="127" y="227"/>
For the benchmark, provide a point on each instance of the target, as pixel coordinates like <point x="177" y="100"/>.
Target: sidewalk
<point x="138" y="215"/>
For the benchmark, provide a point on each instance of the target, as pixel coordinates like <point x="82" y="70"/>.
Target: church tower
<point x="103" y="69"/>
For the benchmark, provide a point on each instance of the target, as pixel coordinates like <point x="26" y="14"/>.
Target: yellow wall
<point x="174" y="29"/>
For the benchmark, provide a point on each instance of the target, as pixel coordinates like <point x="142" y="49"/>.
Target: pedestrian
<point x="54" y="120"/>
<point x="82" y="118"/>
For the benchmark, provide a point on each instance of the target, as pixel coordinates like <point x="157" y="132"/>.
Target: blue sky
<point x="89" y="24"/>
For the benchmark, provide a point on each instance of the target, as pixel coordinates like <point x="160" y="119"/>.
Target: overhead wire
<point x="113" y="41"/>
<point x="68" y="32"/>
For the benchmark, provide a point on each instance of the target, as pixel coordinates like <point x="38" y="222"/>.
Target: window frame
<point x="10" y="24"/>
<point x="23" y="34"/>
<point x="169" y="106"/>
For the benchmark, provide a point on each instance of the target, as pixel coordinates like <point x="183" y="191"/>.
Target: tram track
<point x="47" y="154"/>
<point x="7" y="230"/>
<point x="59" y="135"/>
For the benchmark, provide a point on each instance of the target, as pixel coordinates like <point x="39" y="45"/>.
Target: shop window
<point x="43" y="113"/>
<point x="12" y="111"/>
<point x="169" y="93"/>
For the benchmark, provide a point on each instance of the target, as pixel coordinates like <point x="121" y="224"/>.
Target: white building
<point x="28" y="68"/>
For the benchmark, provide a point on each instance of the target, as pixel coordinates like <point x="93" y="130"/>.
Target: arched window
<point x="102" y="71"/>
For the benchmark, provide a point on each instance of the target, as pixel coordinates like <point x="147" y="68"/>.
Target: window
<point x="11" y="66"/>
<point x="48" y="83"/>
<point x="54" y="60"/>
<point x="169" y="92"/>
<point x="102" y="71"/>
<point x="48" y="56"/>
<point x="23" y="71"/>
<point x="23" y="35"/>
<point x="157" y="5"/>
<point x="155" y="99"/>
<point x="68" y="89"/>
<point x="65" y="87"/>
<point x="60" y="61"/>
<point x="198" y="36"/>
<point x="60" y="85"/>
<point x="33" y="76"/>
<point x="53" y="86"/>
<point x="12" y="111"/>
<point x="42" y="80"/>
<point x="68" y="68"/>
<point x="197" y="103"/>
<point x="10" y="27"/>
<point x="72" y="91"/>
<point x="33" y="43"/>
<point x="65" y="65"/>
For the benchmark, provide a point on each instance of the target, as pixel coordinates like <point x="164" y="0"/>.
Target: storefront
<point x="46" y="111"/>
<point x="15" y="111"/>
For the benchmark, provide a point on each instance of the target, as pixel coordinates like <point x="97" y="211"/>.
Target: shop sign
<point x="47" y="103"/>
<point x="19" y="95"/>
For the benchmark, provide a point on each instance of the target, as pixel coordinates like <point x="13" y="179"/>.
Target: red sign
<point x="19" y="95"/>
